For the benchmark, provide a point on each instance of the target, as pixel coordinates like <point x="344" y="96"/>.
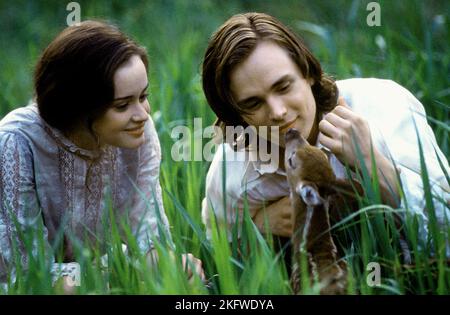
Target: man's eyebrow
<point x="130" y="96"/>
<point x="284" y="78"/>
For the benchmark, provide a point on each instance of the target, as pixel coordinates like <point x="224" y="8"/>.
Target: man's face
<point x="270" y="86"/>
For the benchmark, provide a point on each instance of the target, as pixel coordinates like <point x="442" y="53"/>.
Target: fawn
<point x="316" y="194"/>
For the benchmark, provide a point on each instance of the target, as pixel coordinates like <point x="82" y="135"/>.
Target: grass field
<point x="410" y="47"/>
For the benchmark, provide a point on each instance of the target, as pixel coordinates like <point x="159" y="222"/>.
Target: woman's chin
<point x="129" y="142"/>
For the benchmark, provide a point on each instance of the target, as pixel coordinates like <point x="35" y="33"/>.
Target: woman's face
<point x="123" y="123"/>
<point x="271" y="87"/>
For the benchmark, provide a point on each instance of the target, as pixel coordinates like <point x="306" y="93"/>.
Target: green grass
<point x="175" y="34"/>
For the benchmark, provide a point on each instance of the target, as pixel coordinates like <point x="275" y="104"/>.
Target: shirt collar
<point x="64" y="142"/>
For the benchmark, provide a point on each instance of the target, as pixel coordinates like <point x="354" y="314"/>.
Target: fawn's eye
<point x="291" y="161"/>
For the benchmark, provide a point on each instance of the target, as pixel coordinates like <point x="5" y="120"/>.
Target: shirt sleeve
<point x="21" y="220"/>
<point x="225" y="194"/>
<point x="400" y="135"/>
<point x="148" y="218"/>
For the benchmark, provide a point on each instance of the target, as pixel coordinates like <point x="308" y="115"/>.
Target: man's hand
<point x="279" y="217"/>
<point x="65" y="286"/>
<point x="340" y="131"/>
<point x="191" y="264"/>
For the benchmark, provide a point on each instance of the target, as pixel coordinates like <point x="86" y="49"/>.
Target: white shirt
<point x="390" y="111"/>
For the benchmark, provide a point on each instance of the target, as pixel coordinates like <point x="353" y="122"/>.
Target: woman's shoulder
<point x="21" y="123"/>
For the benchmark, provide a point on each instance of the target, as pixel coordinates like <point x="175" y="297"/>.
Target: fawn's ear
<point x="309" y="194"/>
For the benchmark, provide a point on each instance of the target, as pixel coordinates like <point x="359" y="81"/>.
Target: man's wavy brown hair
<point x="234" y="41"/>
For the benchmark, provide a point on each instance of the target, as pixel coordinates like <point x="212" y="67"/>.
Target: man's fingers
<point x="328" y="128"/>
<point x="342" y="102"/>
<point x="343" y="110"/>
<point x="192" y="264"/>
<point x="334" y="145"/>
<point x="199" y="270"/>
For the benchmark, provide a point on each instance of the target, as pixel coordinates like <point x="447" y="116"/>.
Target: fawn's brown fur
<point x="316" y="195"/>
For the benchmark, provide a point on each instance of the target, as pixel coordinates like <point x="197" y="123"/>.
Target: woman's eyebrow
<point x="130" y="96"/>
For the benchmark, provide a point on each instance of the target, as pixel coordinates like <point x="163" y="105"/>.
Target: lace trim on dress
<point x="9" y="187"/>
<point x="67" y="169"/>
<point x="62" y="140"/>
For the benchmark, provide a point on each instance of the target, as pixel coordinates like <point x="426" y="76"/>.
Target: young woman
<point x="256" y="72"/>
<point x="86" y="146"/>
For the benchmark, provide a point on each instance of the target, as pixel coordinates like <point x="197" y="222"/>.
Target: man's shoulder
<point x="367" y="85"/>
<point x="372" y="96"/>
<point x="230" y="166"/>
<point x="226" y="159"/>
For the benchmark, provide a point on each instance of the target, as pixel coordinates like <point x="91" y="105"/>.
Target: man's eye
<point x="143" y="97"/>
<point x="285" y="87"/>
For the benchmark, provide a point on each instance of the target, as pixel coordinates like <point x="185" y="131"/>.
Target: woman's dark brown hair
<point x="73" y="78"/>
<point x="234" y="41"/>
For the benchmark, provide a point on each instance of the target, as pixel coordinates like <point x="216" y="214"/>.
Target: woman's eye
<point x="253" y="105"/>
<point x="143" y="97"/>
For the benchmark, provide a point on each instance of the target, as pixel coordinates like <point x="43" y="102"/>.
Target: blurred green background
<point x="411" y="47"/>
<point x="415" y="35"/>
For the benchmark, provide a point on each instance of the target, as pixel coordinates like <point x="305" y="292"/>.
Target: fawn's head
<point x="307" y="167"/>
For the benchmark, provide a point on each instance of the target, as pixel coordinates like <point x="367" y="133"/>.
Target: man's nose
<point x="277" y="109"/>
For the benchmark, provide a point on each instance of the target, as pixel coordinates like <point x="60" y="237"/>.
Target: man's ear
<point x="309" y="194"/>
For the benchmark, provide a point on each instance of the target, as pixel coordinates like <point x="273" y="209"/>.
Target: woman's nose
<point x="277" y="109"/>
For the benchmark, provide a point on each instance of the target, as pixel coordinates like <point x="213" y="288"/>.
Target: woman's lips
<point x="136" y="131"/>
